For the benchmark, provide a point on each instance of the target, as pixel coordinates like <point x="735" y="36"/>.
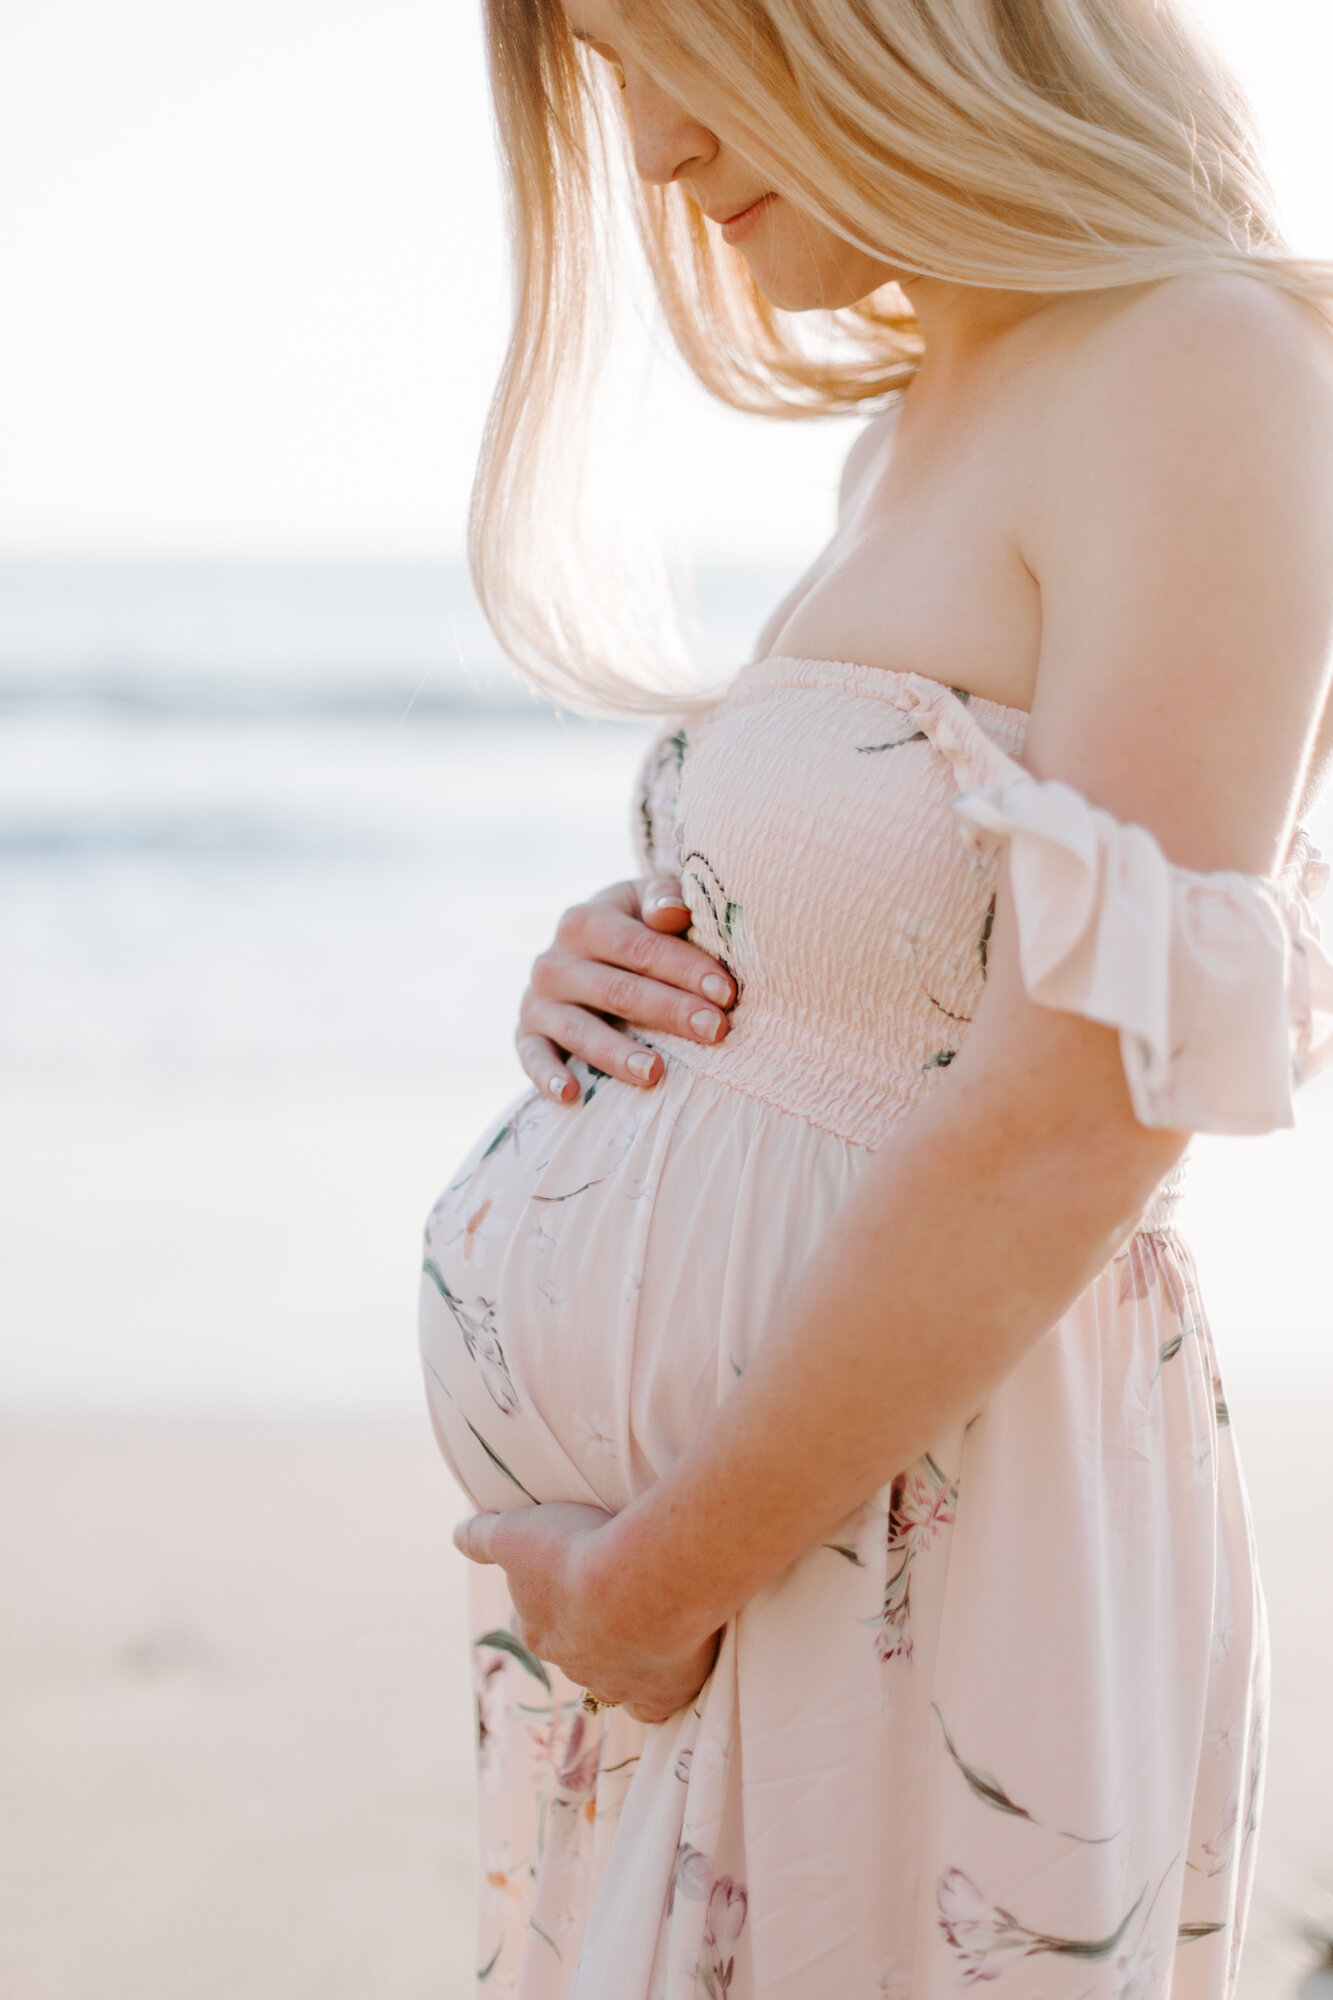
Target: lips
<point x="741" y="220"/>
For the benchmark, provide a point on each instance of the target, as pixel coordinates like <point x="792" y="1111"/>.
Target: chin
<point x="806" y="285"/>
<point x="806" y="292"/>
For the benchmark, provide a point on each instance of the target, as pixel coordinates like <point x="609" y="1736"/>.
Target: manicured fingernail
<point x="705" y="1025"/>
<point x="641" y="1065"/>
<point x="667" y="903"/>
<point x="559" y="1087"/>
<point x="716" y="988"/>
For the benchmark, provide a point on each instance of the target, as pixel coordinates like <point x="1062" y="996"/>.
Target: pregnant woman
<point x="865" y="1596"/>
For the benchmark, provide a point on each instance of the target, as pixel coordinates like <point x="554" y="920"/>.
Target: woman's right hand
<point x="619" y="954"/>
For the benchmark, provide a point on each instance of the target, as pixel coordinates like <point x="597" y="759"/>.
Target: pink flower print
<point x="1223" y="1414"/>
<point x="1148" y="1260"/>
<point x="490" y="1694"/>
<point x="727" y="1905"/>
<point x="893" y="1641"/>
<point x="983" y="1937"/>
<point x="922" y="1503"/>
<point x="1218" y="1849"/>
<point x="691" y="1873"/>
<point x="472" y="1228"/>
<point x="919" y="1507"/>
<point x="578" y="1772"/>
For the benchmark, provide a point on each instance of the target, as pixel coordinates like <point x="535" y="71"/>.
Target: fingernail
<point x="705" y="1025"/>
<point x="641" y="1065"/>
<point x="716" y="988"/>
<point x="558" y="1087"/>
<point x="667" y="903"/>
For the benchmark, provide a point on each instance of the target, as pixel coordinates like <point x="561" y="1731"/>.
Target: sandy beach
<point x="236" y="1745"/>
<point x="235" y="1753"/>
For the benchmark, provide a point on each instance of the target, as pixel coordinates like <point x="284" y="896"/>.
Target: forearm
<point x="972" y="1231"/>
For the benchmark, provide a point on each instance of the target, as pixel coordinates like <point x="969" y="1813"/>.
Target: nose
<point x="667" y="140"/>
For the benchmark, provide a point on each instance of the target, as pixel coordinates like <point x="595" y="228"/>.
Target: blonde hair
<point x="1035" y="145"/>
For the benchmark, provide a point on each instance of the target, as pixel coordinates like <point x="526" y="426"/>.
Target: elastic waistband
<point x="796" y="1069"/>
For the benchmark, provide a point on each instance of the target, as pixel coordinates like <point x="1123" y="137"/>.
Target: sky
<point x="255" y="291"/>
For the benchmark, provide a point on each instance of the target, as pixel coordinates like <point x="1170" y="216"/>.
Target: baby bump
<point x="596" y="1277"/>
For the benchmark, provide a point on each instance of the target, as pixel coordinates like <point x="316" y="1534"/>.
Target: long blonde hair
<point x="1036" y="145"/>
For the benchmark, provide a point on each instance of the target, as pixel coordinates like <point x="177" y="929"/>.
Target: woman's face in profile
<point x="797" y="262"/>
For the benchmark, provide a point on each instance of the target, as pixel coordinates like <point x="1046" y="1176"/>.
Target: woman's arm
<point x="1183" y="541"/>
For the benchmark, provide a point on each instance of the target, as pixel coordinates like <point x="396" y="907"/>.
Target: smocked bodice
<point x="857" y="980"/>
<point x="836" y="830"/>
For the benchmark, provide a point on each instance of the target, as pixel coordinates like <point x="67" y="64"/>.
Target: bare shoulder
<point x="1213" y="357"/>
<point x="1199" y="403"/>
<point x="1181" y="535"/>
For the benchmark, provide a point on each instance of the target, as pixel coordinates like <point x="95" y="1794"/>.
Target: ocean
<point x="277" y="844"/>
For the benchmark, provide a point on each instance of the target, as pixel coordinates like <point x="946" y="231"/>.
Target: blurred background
<point x="279" y="834"/>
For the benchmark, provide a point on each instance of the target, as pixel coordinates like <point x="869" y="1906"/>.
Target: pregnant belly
<point x="595" y="1279"/>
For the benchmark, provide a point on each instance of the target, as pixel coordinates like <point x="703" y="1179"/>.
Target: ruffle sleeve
<point x="1219" y="984"/>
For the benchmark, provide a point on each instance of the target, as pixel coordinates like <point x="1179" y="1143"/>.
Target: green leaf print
<point x="1088" y="1949"/>
<point x="570" y="1194"/>
<point x="897" y="742"/>
<point x="667" y="755"/>
<point x="984" y="1786"/>
<point x="1189" y="1933"/>
<point x="476" y="1323"/>
<point x="533" y="1925"/>
<point x="488" y="1969"/>
<point x="505" y="1642"/>
<point x="508" y="1131"/>
<point x="847" y="1553"/>
<point x="595" y="1076"/>
<point x="499" y="1463"/>
<point x="489" y="1450"/>
<point x="983" y="942"/>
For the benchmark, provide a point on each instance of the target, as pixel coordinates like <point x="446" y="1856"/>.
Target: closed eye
<point x="602" y="49"/>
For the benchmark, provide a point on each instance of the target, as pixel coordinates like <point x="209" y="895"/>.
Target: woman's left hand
<point x="565" y="1614"/>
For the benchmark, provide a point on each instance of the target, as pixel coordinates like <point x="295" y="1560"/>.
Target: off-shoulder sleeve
<point x="653" y="827"/>
<point x="1219" y="984"/>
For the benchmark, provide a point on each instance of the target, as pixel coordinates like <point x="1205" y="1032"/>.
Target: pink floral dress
<point x="1004" y="1728"/>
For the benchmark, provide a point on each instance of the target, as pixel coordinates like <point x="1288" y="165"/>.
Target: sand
<point x="235" y="1729"/>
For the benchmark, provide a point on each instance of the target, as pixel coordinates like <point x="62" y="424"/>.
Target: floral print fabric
<point x="1004" y="1728"/>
